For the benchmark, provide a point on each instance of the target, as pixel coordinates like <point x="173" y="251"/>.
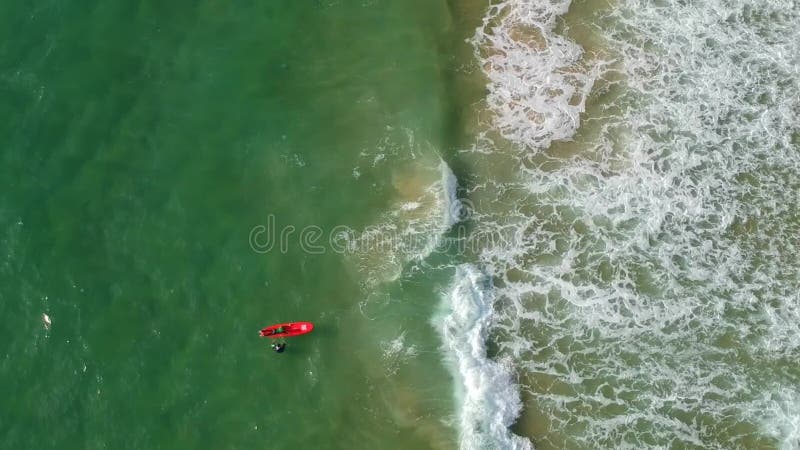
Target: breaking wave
<point x="424" y="207"/>
<point x="487" y="396"/>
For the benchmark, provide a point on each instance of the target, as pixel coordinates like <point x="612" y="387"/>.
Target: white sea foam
<point x="649" y="285"/>
<point x="396" y="352"/>
<point x="538" y="81"/>
<point x="488" y="398"/>
<point x="451" y="206"/>
<point x="425" y="208"/>
<point x="782" y="417"/>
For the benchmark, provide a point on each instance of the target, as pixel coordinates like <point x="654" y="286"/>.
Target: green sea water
<point x="143" y="142"/>
<point x="177" y="175"/>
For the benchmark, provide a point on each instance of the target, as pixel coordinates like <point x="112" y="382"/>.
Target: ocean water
<point x="153" y="153"/>
<point x="642" y="234"/>
<point x="515" y="224"/>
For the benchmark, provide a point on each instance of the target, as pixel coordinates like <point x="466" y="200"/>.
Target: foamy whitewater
<point x="486" y="393"/>
<point x="646" y="288"/>
<point x="425" y="207"/>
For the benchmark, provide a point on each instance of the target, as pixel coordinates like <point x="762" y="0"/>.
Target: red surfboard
<point x="289" y="329"/>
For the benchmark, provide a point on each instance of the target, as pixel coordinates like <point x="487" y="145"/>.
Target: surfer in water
<point x="279" y="347"/>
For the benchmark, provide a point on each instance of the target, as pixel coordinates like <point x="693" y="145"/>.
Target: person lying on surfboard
<point x="286" y="329"/>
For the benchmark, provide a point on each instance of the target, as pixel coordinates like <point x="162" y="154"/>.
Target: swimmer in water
<point x="279" y="347"/>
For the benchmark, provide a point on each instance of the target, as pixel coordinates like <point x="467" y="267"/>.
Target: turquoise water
<point x="519" y="225"/>
<point x="143" y="143"/>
